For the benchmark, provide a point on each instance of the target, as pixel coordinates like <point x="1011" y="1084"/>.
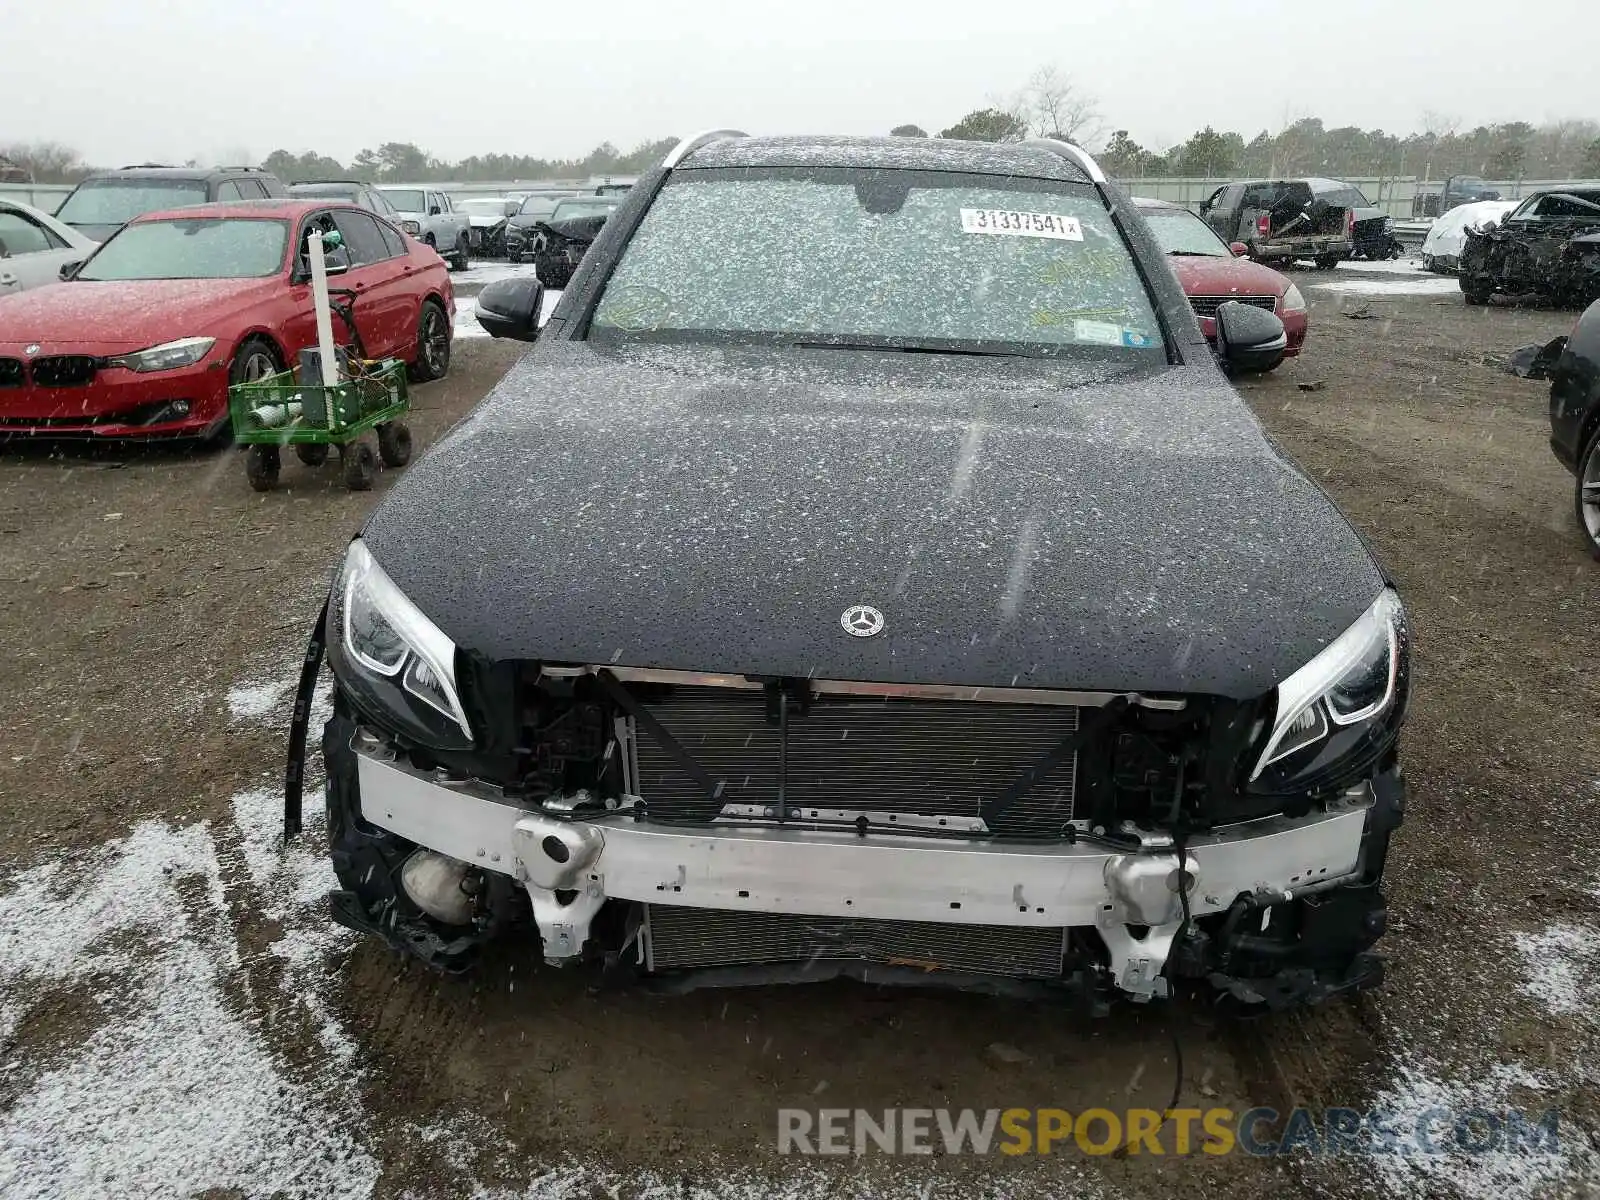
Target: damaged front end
<point x="686" y="830"/>
<point x="557" y="247"/>
<point x="1554" y="262"/>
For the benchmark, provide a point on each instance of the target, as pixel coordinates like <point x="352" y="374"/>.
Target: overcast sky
<point x="207" y="78"/>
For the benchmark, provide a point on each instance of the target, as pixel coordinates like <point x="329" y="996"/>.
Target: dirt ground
<point x="176" y="1015"/>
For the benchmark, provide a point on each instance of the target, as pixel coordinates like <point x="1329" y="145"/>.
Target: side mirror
<point x="510" y="308"/>
<point x="1240" y="250"/>
<point x="69" y="269"/>
<point x="335" y="261"/>
<point x="433" y="210"/>
<point x="1250" y="340"/>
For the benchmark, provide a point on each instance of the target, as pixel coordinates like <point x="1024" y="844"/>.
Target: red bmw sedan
<point x="145" y="337"/>
<point x="1212" y="272"/>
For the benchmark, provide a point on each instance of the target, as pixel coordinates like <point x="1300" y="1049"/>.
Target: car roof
<point x="306" y="184"/>
<point x="273" y="209"/>
<point x="910" y="154"/>
<point x="177" y="173"/>
<point x="1152" y="202"/>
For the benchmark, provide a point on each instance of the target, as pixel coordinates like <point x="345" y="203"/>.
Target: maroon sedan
<point x="1212" y="272"/>
<point x="152" y="329"/>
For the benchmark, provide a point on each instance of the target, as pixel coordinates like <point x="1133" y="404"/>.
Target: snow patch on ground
<point x="1563" y="964"/>
<point x="1418" y="285"/>
<point x="1424" y="1096"/>
<point x="1393" y="266"/>
<point x="178" y="1090"/>
<point x="251" y="701"/>
<point x="489" y="271"/>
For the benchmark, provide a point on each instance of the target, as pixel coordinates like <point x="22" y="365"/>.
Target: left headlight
<point x="411" y="227"/>
<point x="1293" y="300"/>
<point x="400" y="658"/>
<point x="1353" y="681"/>
<point x="168" y="356"/>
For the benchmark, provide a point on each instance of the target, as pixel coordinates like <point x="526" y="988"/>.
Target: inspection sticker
<point x="1097" y="333"/>
<point x="1021" y="224"/>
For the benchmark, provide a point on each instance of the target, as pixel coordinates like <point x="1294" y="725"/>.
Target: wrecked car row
<point x="863" y="736"/>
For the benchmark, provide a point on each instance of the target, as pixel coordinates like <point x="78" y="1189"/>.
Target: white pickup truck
<point x="427" y="215"/>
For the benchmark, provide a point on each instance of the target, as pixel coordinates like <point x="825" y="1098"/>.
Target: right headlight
<point x="1351" y="683"/>
<point x="396" y="660"/>
<point x="411" y="227"/>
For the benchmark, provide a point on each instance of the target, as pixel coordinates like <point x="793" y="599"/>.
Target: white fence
<point x="44" y="196"/>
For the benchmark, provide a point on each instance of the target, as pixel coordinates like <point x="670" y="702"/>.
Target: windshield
<point x="538" y="206"/>
<point x="1344" y="197"/>
<point x="404" y="199"/>
<point x="116" y="201"/>
<point x="597" y="207"/>
<point x="204" y="248"/>
<point x="923" y="259"/>
<point x="1178" y="231"/>
<point x="1574" y="204"/>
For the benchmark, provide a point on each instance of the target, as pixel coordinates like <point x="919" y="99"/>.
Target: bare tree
<point x="1055" y="107"/>
<point x="47" y="162"/>
<point x="1438" y="125"/>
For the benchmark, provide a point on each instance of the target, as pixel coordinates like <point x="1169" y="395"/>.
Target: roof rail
<point x="690" y="144"/>
<point x="1069" y="151"/>
<point x="146" y="166"/>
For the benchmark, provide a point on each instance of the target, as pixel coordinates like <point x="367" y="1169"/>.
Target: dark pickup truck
<point x="1283" y="220"/>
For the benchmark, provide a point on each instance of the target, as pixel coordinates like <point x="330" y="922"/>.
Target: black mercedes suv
<point x="870" y="571"/>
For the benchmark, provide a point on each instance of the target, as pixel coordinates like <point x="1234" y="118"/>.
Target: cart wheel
<point x="261" y="464"/>
<point x="313" y="454"/>
<point x="394" y="443"/>
<point x="360" y="465"/>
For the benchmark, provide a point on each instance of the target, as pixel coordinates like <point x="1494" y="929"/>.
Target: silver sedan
<point x="35" y="246"/>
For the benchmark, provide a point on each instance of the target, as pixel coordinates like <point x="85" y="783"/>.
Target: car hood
<point x="144" y="311"/>
<point x="1018" y="523"/>
<point x="1207" y="276"/>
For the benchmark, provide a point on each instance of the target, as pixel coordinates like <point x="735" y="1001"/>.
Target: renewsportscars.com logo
<point x="1177" y="1131"/>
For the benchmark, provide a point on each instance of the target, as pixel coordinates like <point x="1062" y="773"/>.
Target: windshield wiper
<point x="1192" y="254"/>
<point x="904" y="349"/>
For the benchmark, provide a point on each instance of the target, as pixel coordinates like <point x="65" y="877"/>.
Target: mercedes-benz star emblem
<point x="861" y="620"/>
<point x="33" y="349"/>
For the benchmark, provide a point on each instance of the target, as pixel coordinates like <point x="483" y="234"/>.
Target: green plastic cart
<point x="278" y="411"/>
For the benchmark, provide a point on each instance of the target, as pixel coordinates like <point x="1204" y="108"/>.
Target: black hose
<point x="294" y="769"/>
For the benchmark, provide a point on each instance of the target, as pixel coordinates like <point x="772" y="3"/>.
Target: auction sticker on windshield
<point x="1021" y="224"/>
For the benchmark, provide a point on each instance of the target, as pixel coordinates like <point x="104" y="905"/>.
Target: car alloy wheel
<point x="1587" y="500"/>
<point x="258" y="365"/>
<point x="433" y="343"/>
